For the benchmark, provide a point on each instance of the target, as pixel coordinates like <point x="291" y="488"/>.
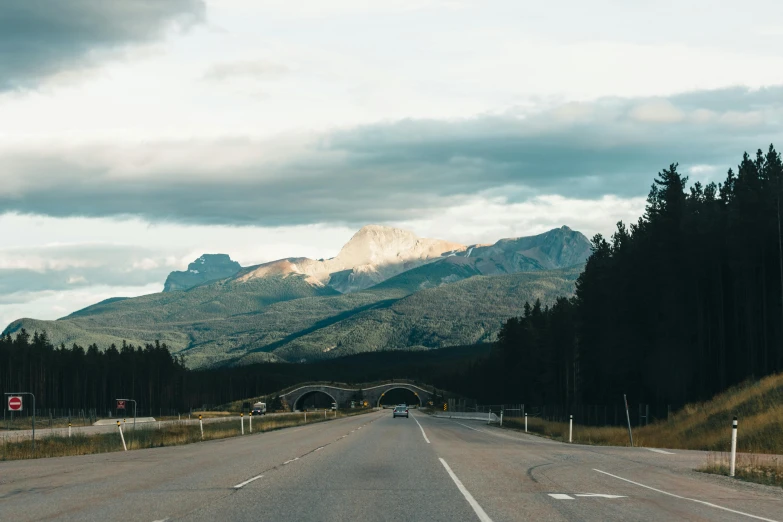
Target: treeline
<point x="73" y="378"/>
<point x="674" y="308"/>
<point x="62" y="377"/>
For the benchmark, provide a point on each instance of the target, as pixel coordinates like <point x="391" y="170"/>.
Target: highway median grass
<point x="154" y="435"/>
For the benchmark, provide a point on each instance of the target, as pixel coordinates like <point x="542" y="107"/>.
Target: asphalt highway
<point x="373" y="467"/>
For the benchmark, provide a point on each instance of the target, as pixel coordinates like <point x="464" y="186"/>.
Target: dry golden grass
<point x="152" y="436"/>
<point x="763" y="469"/>
<point x="703" y="426"/>
<point x="700" y="426"/>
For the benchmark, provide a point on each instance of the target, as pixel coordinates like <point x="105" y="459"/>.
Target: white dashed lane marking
<point x="248" y="481"/>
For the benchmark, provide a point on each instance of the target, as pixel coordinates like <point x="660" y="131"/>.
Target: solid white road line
<point x="710" y="504"/>
<point x="482" y="515"/>
<point x="561" y="496"/>
<point x="660" y="451"/>
<point x="468" y="427"/>
<point x="422" y="430"/>
<point x="602" y="495"/>
<point x="248" y="481"/>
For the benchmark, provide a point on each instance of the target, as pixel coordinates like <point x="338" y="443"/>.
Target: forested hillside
<point x="677" y="307"/>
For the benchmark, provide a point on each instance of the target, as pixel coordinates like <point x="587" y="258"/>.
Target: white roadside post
<point x="570" y="428"/>
<point x="242" y="420"/>
<point x="201" y="425"/>
<point x="250" y="420"/>
<point x="305" y="412"/>
<point x="69" y="430"/>
<point x="501" y="418"/>
<point x="489" y="416"/>
<point x="525" y="422"/>
<point x="733" y="447"/>
<point x="119" y="427"/>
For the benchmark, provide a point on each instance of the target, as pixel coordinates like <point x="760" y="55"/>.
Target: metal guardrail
<point x="467" y="415"/>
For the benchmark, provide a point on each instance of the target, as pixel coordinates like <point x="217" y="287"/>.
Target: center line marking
<point x="656" y="450"/>
<point x="422" y="430"/>
<point x="482" y="515"/>
<point x="686" y="498"/>
<point x="319" y="449"/>
<point x="561" y="496"/>
<point x="248" y="481"/>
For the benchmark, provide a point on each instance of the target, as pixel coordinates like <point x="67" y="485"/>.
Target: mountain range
<point x="386" y="289"/>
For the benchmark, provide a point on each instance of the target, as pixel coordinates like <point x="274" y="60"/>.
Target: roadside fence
<point x="583" y="414"/>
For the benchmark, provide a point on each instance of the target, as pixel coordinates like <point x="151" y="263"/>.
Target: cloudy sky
<point x="137" y="135"/>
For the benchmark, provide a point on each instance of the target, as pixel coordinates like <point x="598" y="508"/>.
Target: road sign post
<point x="732" y="467"/>
<point x="570" y="428"/>
<point x="122" y="437"/>
<point x="628" y="417"/>
<point x="123" y="401"/>
<point x="15" y="404"/>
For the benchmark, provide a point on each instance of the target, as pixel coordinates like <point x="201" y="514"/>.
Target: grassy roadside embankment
<point x="702" y="426"/>
<point x="151" y="436"/>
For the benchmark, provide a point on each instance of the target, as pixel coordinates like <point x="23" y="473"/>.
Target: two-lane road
<point x="374" y="467"/>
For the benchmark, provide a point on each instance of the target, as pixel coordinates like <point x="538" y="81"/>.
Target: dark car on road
<point x="400" y="411"/>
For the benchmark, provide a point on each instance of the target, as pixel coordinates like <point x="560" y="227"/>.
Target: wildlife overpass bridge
<point x="343" y="394"/>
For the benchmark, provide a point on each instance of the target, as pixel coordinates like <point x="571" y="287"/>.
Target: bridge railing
<point x="355" y="386"/>
<point x="467" y="415"/>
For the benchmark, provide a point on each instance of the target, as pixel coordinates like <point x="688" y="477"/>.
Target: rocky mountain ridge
<point x="377" y="253"/>
<point x="387" y="289"/>
<point x="205" y="269"/>
<point x="374" y="254"/>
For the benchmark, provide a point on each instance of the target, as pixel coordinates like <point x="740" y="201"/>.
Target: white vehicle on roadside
<point x="259" y="408"/>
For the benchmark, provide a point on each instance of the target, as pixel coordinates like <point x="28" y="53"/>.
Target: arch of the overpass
<point x="343" y="395"/>
<point x="378" y="402"/>
<point x="297" y="405"/>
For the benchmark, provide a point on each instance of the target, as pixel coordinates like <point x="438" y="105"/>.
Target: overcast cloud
<point x="39" y="38"/>
<point x="137" y="135"/>
<point x="397" y="171"/>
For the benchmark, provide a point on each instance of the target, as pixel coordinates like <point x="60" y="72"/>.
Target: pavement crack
<point x="530" y="471"/>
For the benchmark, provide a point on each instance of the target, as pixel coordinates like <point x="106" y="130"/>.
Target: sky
<point x="137" y="135"/>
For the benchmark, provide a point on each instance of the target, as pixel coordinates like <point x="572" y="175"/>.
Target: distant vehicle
<point x="400" y="411"/>
<point x="259" y="408"/>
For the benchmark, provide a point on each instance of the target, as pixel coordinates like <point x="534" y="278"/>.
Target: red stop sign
<point x="15" y="403"/>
